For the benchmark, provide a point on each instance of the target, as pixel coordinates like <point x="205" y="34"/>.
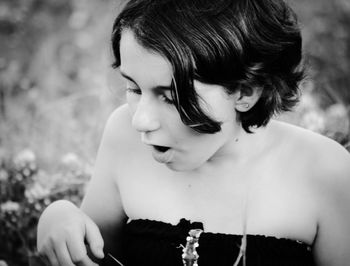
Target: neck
<point x="241" y="150"/>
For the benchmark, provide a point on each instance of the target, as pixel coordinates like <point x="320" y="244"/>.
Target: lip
<point x="153" y="145"/>
<point x="162" y="157"/>
<point x="159" y="156"/>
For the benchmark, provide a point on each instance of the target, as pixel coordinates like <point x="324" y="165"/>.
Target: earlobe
<point x="242" y="107"/>
<point x="245" y="101"/>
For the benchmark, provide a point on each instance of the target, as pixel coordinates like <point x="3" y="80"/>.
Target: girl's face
<point x="148" y="78"/>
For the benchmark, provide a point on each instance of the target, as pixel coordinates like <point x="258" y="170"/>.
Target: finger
<point x="50" y="256"/>
<point x="43" y="259"/>
<point x="76" y="247"/>
<point x="94" y="239"/>
<point x="86" y="261"/>
<point x="63" y="256"/>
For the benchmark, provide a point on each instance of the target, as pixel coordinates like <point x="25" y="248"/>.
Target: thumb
<point x="94" y="239"/>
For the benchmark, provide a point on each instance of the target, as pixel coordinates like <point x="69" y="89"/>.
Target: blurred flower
<point x="26" y="172"/>
<point x="25" y="157"/>
<point x="10" y="206"/>
<point x="3" y="154"/>
<point x="308" y="102"/>
<point x="313" y="120"/>
<point x="32" y="166"/>
<point x="37" y="206"/>
<point x="78" y="19"/>
<point x="71" y="161"/>
<point x="3" y="176"/>
<point x="36" y="191"/>
<point x="18" y="177"/>
<point x="47" y="201"/>
<point x="337" y="120"/>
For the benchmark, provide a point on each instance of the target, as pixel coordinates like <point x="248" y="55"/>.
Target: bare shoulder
<point x="327" y="167"/>
<point x="324" y="156"/>
<point x="119" y="137"/>
<point x="103" y="183"/>
<point x="323" y="161"/>
<point x="114" y="142"/>
<point x="118" y="129"/>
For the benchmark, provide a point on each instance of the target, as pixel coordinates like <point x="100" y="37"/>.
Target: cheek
<point x="219" y="109"/>
<point x="223" y="111"/>
<point x="188" y="137"/>
<point x="198" y="143"/>
<point x="178" y="130"/>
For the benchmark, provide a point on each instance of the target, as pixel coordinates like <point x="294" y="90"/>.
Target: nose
<point x="145" y="117"/>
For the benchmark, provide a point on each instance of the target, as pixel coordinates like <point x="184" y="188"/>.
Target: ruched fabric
<point x="148" y="242"/>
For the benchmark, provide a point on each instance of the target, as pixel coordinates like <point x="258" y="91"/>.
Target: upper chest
<point x="267" y="199"/>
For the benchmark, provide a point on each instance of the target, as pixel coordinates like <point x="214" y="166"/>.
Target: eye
<point x="166" y="99"/>
<point x="131" y="87"/>
<point x="134" y="91"/>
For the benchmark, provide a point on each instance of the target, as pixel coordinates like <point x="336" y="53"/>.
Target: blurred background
<point x="57" y="89"/>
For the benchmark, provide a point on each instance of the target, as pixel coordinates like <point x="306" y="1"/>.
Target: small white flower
<point x="10" y="206"/>
<point x="47" y="201"/>
<point x="71" y="161"/>
<point x="3" y="176"/>
<point x="24" y="157"/>
<point x="337" y="120"/>
<point x="37" y="206"/>
<point x="36" y="191"/>
<point x="313" y="120"/>
<point x="308" y="102"/>
<point x="26" y="172"/>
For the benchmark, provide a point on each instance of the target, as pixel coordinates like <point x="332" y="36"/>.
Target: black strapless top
<point x="147" y="242"/>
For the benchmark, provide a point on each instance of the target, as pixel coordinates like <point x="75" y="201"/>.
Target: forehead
<point x="143" y="65"/>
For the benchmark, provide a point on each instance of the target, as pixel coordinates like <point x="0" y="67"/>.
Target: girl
<point x="192" y="170"/>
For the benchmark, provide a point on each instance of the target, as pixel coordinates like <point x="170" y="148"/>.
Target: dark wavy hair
<point x="239" y="44"/>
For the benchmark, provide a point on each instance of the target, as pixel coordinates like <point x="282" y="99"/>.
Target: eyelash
<point x="139" y="92"/>
<point x="135" y="91"/>
<point x="166" y="99"/>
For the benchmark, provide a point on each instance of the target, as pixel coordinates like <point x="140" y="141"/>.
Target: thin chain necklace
<point x="189" y="252"/>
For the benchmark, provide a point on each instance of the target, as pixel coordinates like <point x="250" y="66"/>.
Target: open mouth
<point x="162" y="154"/>
<point x="161" y="148"/>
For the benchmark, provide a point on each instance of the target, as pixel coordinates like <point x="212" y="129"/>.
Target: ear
<point x="246" y="98"/>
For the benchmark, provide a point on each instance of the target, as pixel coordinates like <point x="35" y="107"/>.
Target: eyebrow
<point x="156" y="88"/>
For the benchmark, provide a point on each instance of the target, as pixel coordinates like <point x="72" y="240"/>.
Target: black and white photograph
<point x="174" y="133"/>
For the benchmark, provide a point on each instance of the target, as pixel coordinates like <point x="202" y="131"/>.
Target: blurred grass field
<point x="57" y="87"/>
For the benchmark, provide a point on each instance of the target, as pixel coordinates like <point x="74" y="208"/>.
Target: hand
<point x="63" y="230"/>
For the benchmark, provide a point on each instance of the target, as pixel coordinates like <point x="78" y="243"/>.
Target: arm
<point x="63" y="228"/>
<point x="102" y="202"/>
<point x="332" y="243"/>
